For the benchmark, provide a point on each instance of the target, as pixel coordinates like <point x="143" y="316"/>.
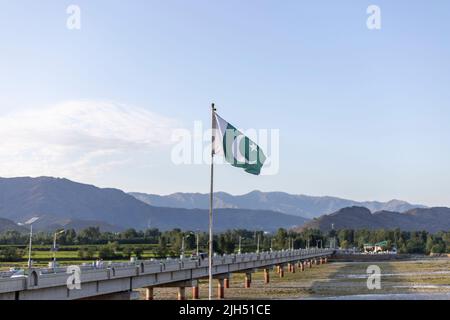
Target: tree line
<point x="92" y="243"/>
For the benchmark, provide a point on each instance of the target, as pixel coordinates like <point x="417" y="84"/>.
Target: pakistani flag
<point x="237" y="148"/>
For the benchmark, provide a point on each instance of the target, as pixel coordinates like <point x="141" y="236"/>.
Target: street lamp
<point x="240" y="241"/>
<point x="197" y="241"/>
<point x="257" y="245"/>
<point x="54" y="245"/>
<point x="30" y="222"/>
<point x="317" y="243"/>
<point x="183" y="244"/>
<point x="271" y="244"/>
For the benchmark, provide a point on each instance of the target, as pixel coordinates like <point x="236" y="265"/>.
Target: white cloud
<point x="78" y="138"/>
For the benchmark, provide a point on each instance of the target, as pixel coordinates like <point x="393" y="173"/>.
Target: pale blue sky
<point x="362" y="114"/>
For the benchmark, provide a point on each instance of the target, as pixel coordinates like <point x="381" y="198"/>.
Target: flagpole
<point x="211" y="206"/>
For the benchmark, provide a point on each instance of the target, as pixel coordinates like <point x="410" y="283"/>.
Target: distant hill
<point x="8" y="225"/>
<point x="64" y="203"/>
<point x="429" y="219"/>
<point x="298" y="205"/>
<point x="49" y="223"/>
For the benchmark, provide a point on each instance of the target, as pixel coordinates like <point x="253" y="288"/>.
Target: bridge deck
<point x="51" y="284"/>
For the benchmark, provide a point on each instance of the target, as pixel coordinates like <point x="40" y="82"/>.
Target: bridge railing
<point x="48" y="277"/>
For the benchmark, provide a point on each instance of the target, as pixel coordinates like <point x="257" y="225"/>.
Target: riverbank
<point x="415" y="277"/>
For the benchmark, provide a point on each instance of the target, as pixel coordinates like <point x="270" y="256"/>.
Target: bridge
<point x="118" y="280"/>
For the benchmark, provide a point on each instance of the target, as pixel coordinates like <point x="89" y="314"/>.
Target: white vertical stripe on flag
<point x="219" y="128"/>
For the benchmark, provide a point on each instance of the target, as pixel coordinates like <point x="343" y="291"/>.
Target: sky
<point x="361" y="114"/>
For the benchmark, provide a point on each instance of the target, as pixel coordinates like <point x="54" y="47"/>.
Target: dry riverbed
<point x="426" y="278"/>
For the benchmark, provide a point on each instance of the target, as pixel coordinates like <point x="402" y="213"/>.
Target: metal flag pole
<point x="213" y="109"/>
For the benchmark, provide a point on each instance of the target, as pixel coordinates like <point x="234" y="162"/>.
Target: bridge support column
<point x="195" y="292"/>
<point x="226" y="283"/>
<point x="181" y="293"/>
<point x="310" y="264"/>
<point x="302" y="266"/>
<point x="293" y="268"/>
<point x="248" y="280"/>
<point x="325" y="260"/>
<point x="149" y="293"/>
<point x="321" y="260"/>
<point x="220" y="289"/>
<point x="266" y="276"/>
<point x="281" y="272"/>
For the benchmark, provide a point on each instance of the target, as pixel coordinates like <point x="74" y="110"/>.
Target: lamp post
<point x="240" y="242"/>
<point x="257" y="244"/>
<point x="183" y="245"/>
<point x="30" y="222"/>
<point x="54" y="246"/>
<point x="29" y="246"/>
<point x="317" y="243"/>
<point x="197" y="242"/>
<point x="271" y="244"/>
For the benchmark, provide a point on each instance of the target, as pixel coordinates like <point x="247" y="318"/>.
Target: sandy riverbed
<point x="427" y="278"/>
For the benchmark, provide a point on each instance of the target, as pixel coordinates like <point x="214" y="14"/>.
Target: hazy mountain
<point x="429" y="219"/>
<point x="61" y="202"/>
<point x="298" y="205"/>
<point x="47" y="222"/>
<point x="8" y="225"/>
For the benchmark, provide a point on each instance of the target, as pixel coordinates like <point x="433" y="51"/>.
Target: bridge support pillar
<point x="248" y="280"/>
<point x="226" y="283"/>
<point x="195" y="292"/>
<point x="149" y="293"/>
<point x="266" y="276"/>
<point x="321" y="260"/>
<point x="302" y="266"/>
<point x="293" y="268"/>
<point x="181" y="293"/>
<point x="220" y="289"/>
<point x="325" y="260"/>
<point x="281" y="271"/>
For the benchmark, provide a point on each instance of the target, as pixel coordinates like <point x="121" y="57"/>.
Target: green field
<point x="68" y="255"/>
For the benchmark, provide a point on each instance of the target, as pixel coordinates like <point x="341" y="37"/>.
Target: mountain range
<point x="60" y="203"/>
<point x="428" y="219"/>
<point x="297" y="205"/>
<point x="8" y="225"/>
